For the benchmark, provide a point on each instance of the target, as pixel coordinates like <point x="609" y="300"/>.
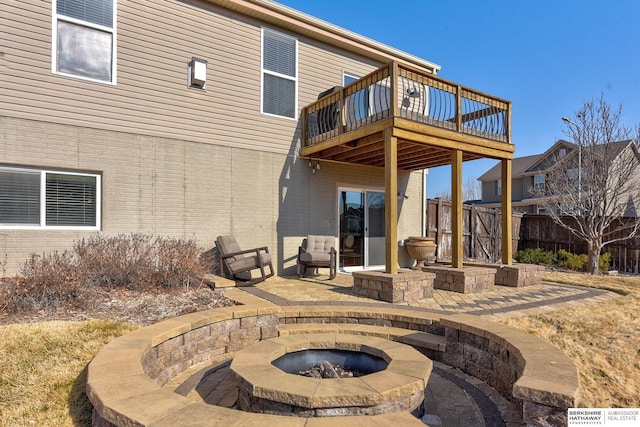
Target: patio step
<point x="406" y="336"/>
<point x="219" y="282"/>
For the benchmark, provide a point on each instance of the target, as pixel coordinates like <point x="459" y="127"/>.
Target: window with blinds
<point x="84" y="38"/>
<point x="279" y="74"/>
<point x="19" y="197"/>
<point x="30" y="198"/>
<point x="70" y="200"/>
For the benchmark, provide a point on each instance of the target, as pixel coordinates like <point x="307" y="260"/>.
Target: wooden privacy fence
<point x="481" y="231"/>
<point x="539" y="231"/>
<point x="482" y="235"/>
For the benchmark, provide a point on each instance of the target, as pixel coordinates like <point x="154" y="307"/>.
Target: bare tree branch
<point x="590" y="190"/>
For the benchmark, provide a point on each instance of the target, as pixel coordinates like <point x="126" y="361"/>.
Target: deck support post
<point x="507" y="247"/>
<point x="456" y="209"/>
<point x="391" y="201"/>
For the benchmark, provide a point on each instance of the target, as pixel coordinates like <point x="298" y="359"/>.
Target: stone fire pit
<point x="266" y="388"/>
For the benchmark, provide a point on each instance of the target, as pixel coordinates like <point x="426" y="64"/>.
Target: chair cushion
<point x="249" y="263"/>
<point x="315" y="257"/>
<point x="320" y="244"/>
<point x="265" y="258"/>
<point x="227" y="245"/>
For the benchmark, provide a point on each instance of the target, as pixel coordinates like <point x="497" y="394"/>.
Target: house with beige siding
<point x="200" y="118"/>
<point x="530" y="174"/>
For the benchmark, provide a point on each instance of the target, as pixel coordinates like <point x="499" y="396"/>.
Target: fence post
<point x="473" y="231"/>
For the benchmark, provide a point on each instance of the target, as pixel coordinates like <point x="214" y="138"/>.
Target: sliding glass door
<point x="361" y="222"/>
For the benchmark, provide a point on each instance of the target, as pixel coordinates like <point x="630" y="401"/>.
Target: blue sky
<point x="546" y="56"/>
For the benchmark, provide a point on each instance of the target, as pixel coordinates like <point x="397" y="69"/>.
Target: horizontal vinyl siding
<point x="155" y="41"/>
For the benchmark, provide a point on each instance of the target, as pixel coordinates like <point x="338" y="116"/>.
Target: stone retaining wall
<point x="124" y="380"/>
<point x="536" y="376"/>
<point x="228" y="333"/>
<point x="516" y="275"/>
<point x="408" y="286"/>
<point x="470" y="279"/>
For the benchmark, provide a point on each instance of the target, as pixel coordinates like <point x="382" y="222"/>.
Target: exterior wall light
<point x="315" y="166"/>
<point x="197" y="73"/>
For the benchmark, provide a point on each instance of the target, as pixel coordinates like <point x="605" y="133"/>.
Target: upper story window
<point x="279" y="74"/>
<point x="538" y="183"/>
<point x="347" y="79"/>
<point x="357" y="104"/>
<point x="84" y="39"/>
<point x="49" y="199"/>
<point x="499" y="187"/>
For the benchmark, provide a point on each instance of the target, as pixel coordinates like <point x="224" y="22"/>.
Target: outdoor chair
<point x="234" y="261"/>
<point x="317" y="251"/>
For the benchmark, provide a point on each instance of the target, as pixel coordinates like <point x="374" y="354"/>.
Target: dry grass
<point x="43" y="371"/>
<point x="602" y="339"/>
<point x="42" y="365"/>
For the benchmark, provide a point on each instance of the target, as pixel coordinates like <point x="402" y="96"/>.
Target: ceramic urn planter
<point x="422" y="249"/>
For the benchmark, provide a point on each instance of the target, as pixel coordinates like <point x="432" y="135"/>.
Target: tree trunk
<point x="594" y="256"/>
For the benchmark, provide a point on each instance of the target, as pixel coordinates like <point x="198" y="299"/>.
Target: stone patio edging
<point x="124" y="380"/>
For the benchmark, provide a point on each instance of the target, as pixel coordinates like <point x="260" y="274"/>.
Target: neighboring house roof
<point x="617" y="147"/>
<point x="548" y="158"/>
<point x="518" y="166"/>
<point x="531" y="165"/>
<point x="275" y="13"/>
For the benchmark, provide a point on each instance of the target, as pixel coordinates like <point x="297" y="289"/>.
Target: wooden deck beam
<point x="507" y="246"/>
<point x="391" y="202"/>
<point x="456" y="209"/>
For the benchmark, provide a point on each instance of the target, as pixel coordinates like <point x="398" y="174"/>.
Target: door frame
<point x="365" y="254"/>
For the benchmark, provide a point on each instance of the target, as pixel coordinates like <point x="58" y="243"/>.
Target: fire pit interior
<point x="344" y="364"/>
<point x="394" y="376"/>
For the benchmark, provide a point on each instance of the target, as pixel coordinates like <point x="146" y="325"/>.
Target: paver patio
<point x="501" y="303"/>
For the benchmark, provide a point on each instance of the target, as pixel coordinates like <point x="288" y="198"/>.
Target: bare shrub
<point x="178" y="263"/>
<point x="46" y="281"/>
<point x="139" y="260"/>
<point x="135" y="261"/>
<point x="113" y="261"/>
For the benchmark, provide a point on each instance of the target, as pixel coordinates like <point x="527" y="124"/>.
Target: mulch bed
<point x="123" y="305"/>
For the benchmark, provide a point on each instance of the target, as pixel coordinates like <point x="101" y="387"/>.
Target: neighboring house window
<point x="279" y="74"/>
<point x="572" y="176"/>
<point x="538" y="183"/>
<point x="35" y="198"/>
<point x="84" y="39"/>
<point x="499" y="187"/>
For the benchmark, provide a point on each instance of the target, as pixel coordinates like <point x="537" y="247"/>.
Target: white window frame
<point x="345" y="75"/>
<point x="43" y="201"/>
<point x="264" y="71"/>
<point x="355" y="111"/>
<point x="54" y="42"/>
<point x="541" y="185"/>
<point x="499" y="187"/>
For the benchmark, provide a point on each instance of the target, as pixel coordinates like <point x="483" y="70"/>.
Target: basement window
<point x="49" y="199"/>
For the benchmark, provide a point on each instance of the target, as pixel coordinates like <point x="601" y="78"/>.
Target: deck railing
<point x="396" y="90"/>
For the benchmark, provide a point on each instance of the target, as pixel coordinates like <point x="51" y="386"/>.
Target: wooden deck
<point x="430" y="117"/>
<point x="401" y="118"/>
